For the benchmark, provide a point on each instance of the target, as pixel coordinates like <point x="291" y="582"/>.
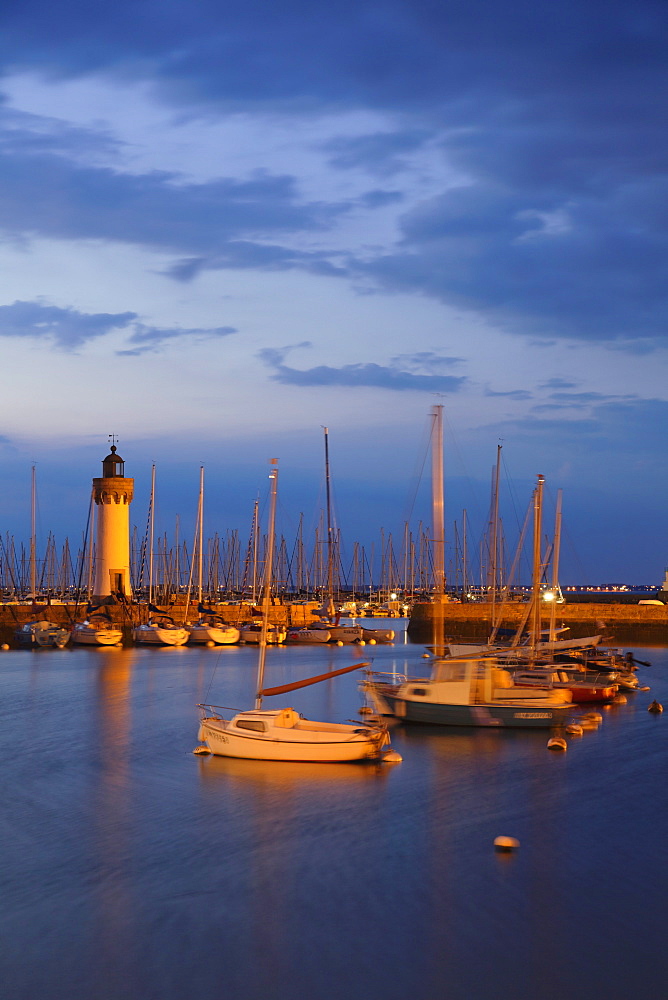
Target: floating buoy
<point x="425" y="656"/>
<point x="557" y="743"/>
<point x="361" y="642"/>
<point x="201" y="750"/>
<point x="506" y="844"/>
<point x="339" y="642"/>
<point x="656" y="707"/>
<point x="574" y="729"/>
<point x="372" y="642"/>
<point x="646" y="688"/>
<point x="4" y="646"/>
<point x="365" y="710"/>
<point x="593" y="717"/>
<point x="392" y="757"/>
<point x="620" y="699"/>
<point x="210" y="643"/>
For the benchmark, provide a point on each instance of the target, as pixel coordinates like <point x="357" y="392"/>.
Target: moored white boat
<point x="338" y="633"/>
<point x="283" y="734"/>
<point x="94" y="633"/>
<point x="212" y="630"/>
<point x="250" y="632"/>
<point x="163" y="632"/>
<point x="378" y="634"/>
<point x="469" y="692"/>
<point x="42" y="633"/>
<point x="308" y="635"/>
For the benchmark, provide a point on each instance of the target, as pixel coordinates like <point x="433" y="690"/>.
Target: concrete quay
<point x="126" y="616"/>
<point x="641" y="623"/>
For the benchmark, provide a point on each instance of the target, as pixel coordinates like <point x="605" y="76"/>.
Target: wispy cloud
<point x="369" y="375"/>
<point x="69" y="328"/>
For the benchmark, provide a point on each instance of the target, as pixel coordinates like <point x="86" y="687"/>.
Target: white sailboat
<point x="210" y="627"/>
<point x="160" y="629"/>
<point x="282" y="734"/>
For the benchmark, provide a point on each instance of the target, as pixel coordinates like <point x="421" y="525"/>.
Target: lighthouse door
<point x="116" y="582"/>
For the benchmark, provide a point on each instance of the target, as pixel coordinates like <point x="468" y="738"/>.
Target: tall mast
<point x="555" y="568"/>
<point x="150" y="536"/>
<point x="200" y="527"/>
<point x="537" y="563"/>
<point x="33" y="536"/>
<point x="273" y="478"/>
<point x="438" y="506"/>
<point x="330" y="541"/>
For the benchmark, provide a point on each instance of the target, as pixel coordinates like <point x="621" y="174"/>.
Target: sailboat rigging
<point x="283" y="734"/>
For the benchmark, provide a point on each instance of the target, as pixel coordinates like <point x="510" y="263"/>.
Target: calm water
<point x="132" y="869"/>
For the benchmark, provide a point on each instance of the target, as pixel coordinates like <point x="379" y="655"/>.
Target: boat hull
<point x="514" y="715"/>
<point x="87" y="636"/>
<point x="221" y="635"/>
<point x="152" y="636"/>
<point x="340" y="744"/>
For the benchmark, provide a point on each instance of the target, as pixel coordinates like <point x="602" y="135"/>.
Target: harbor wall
<point x="126" y="616"/>
<point x="645" y="623"/>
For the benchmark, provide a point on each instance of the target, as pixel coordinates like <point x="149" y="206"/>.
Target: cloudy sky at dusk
<point x="227" y="224"/>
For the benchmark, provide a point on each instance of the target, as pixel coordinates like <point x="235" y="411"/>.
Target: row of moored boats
<point x="162" y="630"/>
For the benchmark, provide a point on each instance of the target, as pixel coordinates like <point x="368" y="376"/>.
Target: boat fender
<point x="656" y="707"/>
<point x="574" y="729"/>
<point x="391" y="757"/>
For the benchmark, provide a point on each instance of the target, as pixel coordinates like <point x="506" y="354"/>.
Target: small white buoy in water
<point x="210" y="643"/>
<point x="557" y="743"/>
<point x="656" y="707"/>
<point x="365" y="710"/>
<point x="425" y="656"/>
<point x="620" y="699"/>
<point x="361" y="642"/>
<point x="574" y="729"/>
<point x="339" y="642"/>
<point x="201" y="750"/>
<point x="392" y="757"/>
<point x="646" y="688"/>
<point x="372" y="642"/>
<point x="593" y="717"/>
<point x="506" y="844"/>
<point x="4" y="646"/>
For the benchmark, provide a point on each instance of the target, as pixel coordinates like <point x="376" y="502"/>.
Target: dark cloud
<point x="354" y="376"/>
<point x="69" y="328"/>
<point x="554" y="115"/>
<point x="382" y="153"/>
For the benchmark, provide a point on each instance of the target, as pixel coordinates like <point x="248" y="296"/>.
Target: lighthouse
<point x="113" y="496"/>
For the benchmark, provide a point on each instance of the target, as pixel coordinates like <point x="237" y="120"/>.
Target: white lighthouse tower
<point x="113" y="495"/>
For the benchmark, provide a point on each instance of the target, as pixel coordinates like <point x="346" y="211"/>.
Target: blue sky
<point x="224" y="225"/>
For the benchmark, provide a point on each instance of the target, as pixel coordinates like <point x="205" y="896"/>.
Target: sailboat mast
<point x="330" y="541"/>
<point x="438" y="506"/>
<point x="200" y="527"/>
<point x="266" y="601"/>
<point x="555" y="568"/>
<point x="150" y="536"/>
<point x="33" y="536"/>
<point x="537" y="563"/>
